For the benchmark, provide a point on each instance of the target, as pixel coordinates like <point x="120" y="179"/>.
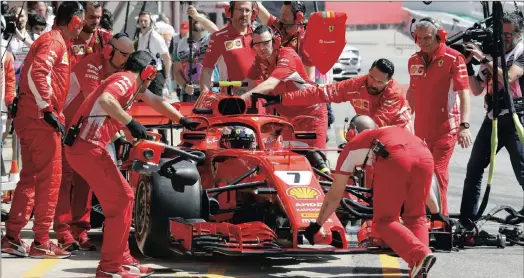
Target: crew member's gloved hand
<point x="310" y="232"/>
<point x="51" y="119"/>
<point x="271" y="100"/>
<point x="137" y="130"/>
<point x="440" y="217"/>
<point x="189" y="124"/>
<point x="122" y="146"/>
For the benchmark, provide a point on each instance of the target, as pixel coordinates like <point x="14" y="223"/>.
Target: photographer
<point x="507" y="134"/>
<point x="20" y="40"/>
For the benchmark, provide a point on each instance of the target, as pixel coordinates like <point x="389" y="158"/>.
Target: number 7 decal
<point x="295" y="178"/>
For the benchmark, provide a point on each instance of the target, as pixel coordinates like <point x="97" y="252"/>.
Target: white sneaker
<point x="421" y="270"/>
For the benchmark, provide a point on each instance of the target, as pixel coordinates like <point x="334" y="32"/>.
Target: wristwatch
<point x="465" y="125"/>
<point x="485" y="60"/>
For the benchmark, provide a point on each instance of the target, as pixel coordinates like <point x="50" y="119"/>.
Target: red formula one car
<point x="205" y="196"/>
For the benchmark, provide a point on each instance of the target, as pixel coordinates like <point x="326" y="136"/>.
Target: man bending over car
<point x="403" y="172"/>
<point x="72" y="216"/>
<point x="102" y="115"/>
<point x="376" y="94"/>
<point x="279" y="70"/>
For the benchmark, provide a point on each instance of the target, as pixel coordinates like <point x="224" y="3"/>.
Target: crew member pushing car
<point x="376" y="94"/>
<point x="39" y="125"/>
<point x="102" y="115"/>
<point x="403" y="172"/>
<point x="439" y="92"/>
<point x="73" y="210"/>
<point x="279" y="70"/>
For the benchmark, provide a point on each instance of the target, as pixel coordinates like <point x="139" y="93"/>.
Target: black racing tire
<point x="155" y="202"/>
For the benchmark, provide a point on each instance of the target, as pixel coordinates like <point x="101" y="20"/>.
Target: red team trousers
<point x="411" y="170"/>
<point x="41" y="149"/>
<point x="95" y="165"/>
<point x="73" y="211"/>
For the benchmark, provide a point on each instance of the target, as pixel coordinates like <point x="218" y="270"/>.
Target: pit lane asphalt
<point x="477" y="262"/>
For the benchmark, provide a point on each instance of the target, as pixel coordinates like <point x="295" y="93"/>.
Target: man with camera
<point x="507" y="135"/>
<point x="439" y="93"/>
<point x="396" y="154"/>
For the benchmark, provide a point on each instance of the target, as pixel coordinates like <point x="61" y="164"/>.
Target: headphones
<point x="254" y="14"/>
<point x="298" y="8"/>
<point x="442" y="35"/>
<point x="76" y="23"/>
<point x="352" y="131"/>
<point x="109" y="50"/>
<point x="149" y="72"/>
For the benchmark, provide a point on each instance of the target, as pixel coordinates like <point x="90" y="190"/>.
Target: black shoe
<point x="421" y="270"/>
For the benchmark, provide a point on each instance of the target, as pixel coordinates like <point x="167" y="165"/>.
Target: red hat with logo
<point x="184" y="27"/>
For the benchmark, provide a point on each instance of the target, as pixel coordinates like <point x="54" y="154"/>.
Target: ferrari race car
<point x="207" y="195"/>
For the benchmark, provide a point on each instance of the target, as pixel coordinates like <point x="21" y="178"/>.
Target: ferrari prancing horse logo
<point x="331" y="28"/>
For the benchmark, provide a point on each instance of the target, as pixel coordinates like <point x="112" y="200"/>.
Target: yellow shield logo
<point x="303" y="193"/>
<point x="440" y="63"/>
<point x="331" y="28"/>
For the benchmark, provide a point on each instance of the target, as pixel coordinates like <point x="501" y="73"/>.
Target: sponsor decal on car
<point x="303" y="193"/>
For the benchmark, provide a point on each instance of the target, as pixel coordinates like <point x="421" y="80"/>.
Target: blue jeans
<point x="480" y="158"/>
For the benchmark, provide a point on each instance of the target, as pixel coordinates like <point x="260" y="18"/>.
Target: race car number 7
<point x="295" y="178"/>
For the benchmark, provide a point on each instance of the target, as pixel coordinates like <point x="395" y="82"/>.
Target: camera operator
<point x="19" y="41"/>
<point x="507" y="134"/>
<point x="439" y="92"/>
<point x="396" y="154"/>
<point x="202" y="29"/>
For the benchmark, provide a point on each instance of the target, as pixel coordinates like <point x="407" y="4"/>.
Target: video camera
<point x="10" y="21"/>
<point x="481" y="34"/>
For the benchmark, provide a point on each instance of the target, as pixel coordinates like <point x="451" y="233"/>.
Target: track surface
<point x="479" y="262"/>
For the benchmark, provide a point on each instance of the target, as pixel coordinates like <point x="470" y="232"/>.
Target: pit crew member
<point x="202" y="30"/>
<point x="281" y="70"/>
<point x="232" y="44"/>
<point x="102" y="116"/>
<point x="92" y="38"/>
<point x="439" y="96"/>
<point x="39" y="126"/>
<point x="72" y="216"/>
<point x="390" y="150"/>
<point x="291" y="28"/>
<point x="507" y="134"/>
<point x="376" y="94"/>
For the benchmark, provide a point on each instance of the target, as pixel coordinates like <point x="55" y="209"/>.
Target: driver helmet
<point x="238" y="137"/>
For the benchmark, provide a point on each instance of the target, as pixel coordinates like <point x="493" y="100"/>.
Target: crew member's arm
<point x="263" y="13"/>
<point x="214" y="51"/>
<point x="353" y="154"/>
<point x="49" y="54"/>
<point x="265" y="87"/>
<point x="10" y="79"/>
<point x="161" y="106"/>
<point x="461" y="86"/>
<point x="110" y="105"/>
<point x="336" y="92"/>
<point x="206" y="23"/>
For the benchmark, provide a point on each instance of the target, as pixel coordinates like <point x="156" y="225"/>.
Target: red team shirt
<point x="86" y="76"/>
<point x="388" y="108"/>
<point x="295" y="41"/>
<point x="45" y="76"/>
<point x="234" y="49"/>
<point x="289" y="70"/>
<point x="434" y="88"/>
<point x="79" y="49"/>
<point x="97" y="128"/>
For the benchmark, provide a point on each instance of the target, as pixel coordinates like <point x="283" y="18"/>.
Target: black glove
<point x="122" y="146"/>
<point x="471" y="70"/>
<point x="440" y="217"/>
<point x="189" y="124"/>
<point x="50" y="118"/>
<point x="310" y="232"/>
<point x="271" y="100"/>
<point x="137" y="130"/>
